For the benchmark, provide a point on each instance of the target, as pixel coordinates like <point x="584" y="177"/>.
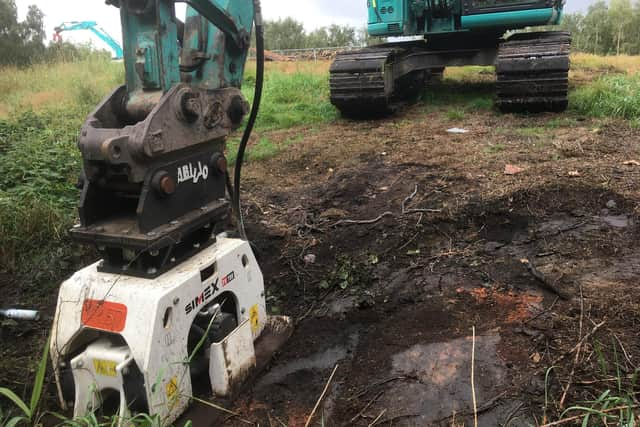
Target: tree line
<point x="289" y="33"/>
<point x="23" y="42"/>
<point x="606" y="29"/>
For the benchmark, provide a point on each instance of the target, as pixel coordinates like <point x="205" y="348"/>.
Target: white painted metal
<point x="102" y="366"/>
<point x="231" y="359"/>
<point x="159" y="315"/>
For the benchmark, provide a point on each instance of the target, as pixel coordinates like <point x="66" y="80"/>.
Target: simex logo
<point x="204" y="296"/>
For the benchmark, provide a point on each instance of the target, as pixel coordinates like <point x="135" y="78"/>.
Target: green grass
<point x="465" y="96"/>
<point x="496" y="148"/>
<point x="530" y="132"/>
<point x="615" y="405"/>
<point x="291" y="100"/>
<point x="39" y="164"/>
<point x="609" y="96"/>
<point x="41" y="111"/>
<point x="59" y="86"/>
<point x="561" y="121"/>
<point x="455" y="115"/>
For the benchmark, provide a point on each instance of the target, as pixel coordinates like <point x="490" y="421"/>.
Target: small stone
<point x="310" y="259"/>
<point x="611" y="204"/>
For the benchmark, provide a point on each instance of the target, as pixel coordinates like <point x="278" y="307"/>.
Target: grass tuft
<point x="609" y="96"/>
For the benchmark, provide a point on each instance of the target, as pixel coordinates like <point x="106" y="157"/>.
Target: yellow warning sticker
<point x="172" y="388"/>
<point x="106" y="368"/>
<point x="253" y="316"/>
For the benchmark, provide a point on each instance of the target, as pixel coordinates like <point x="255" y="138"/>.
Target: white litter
<point x="457" y="130"/>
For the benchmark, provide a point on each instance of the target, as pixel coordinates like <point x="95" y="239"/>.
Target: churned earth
<point x="402" y="250"/>
<point x="410" y="256"/>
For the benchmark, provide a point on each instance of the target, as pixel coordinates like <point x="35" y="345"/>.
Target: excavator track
<point x="532" y="72"/>
<point x="361" y="81"/>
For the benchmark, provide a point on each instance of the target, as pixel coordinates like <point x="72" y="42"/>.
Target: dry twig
<point x="326" y="387"/>
<point x="576" y="359"/>
<point x="547" y="310"/>
<point x="364" y="221"/>
<point x="220" y="408"/>
<point x="582" y="341"/>
<point x="410" y="211"/>
<point x="366" y="407"/>
<point x="379" y="383"/>
<point x="378" y="417"/>
<point x="577" y="417"/>
<point x="542" y="279"/>
<point x="473" y="384"/>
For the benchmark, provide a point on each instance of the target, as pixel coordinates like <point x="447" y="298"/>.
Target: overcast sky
<point x="313" y="13"/>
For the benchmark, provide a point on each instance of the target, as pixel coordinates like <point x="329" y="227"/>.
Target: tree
<point x="341" y="35"/>
<point x="284" y="34"/>
<point x="598" y="29"/>
<point x="20" y="42"/>
<point x="318" y="38"/>
<point x="621" y="16"/>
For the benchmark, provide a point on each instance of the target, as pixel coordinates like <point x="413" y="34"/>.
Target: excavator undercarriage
<point x="531" y="72"/>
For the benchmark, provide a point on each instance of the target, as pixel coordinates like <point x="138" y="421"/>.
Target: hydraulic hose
<point x="252" y="117"/>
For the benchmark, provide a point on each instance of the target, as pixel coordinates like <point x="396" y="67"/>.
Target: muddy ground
<point x="390" y="242"/>
<point x="392" y="301"/>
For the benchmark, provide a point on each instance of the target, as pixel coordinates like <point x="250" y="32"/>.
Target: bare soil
<point x="392" y="242"/>
<point x="417" y="283"/>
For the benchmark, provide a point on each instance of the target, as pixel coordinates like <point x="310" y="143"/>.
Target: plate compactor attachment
<point x="151" y="344"/>
<point x="175" y="308"/>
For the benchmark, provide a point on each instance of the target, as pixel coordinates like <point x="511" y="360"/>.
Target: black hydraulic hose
<point x="252" y="116"/>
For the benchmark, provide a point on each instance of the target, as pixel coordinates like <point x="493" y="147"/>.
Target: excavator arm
<point x="174" y="301"/>
<point x="95" y="29"/>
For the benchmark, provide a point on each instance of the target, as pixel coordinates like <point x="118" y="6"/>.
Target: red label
<point x="104" y="315"/>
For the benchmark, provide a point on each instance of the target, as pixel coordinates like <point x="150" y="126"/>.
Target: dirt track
<point x="436" y="250"/>
<point x="415" y="283"/>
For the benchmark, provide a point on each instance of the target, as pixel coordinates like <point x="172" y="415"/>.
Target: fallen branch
<point x="364" y="221"/>
<point x="543" y="280"/>
<point x="326" y="387"/>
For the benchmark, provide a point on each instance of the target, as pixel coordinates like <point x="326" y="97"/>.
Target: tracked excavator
<point x="531" y="67"/>
<point x="176" y="307"/>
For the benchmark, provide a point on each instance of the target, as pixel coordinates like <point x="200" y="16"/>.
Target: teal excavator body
<point x="429" y="17"/>
<point x="531" y="67"/>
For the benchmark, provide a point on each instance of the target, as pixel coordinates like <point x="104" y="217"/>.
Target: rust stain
<point x="517" y="306"/>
